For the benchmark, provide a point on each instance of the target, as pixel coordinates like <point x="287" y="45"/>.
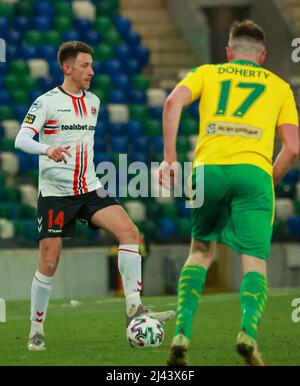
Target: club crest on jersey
<point x="93" y="110"/>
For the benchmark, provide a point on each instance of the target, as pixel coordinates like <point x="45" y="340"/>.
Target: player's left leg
<point x="190" y="287"/>
<point x="253" y="297"/>
<point x="115" y="220"/>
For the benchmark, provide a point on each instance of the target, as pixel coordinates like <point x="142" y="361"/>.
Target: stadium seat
<point x="30" y="52"/>
<point x="29" y="195"/>
<point x="92" y="38"/>
<point x="99" y="144"/>
<point x="102" y="24"/>
<point x="136" y="210"/>
<point x="183" y="210"/>
<point x="22" y="23"/>
<point x="184" y="227"/>
<point x="167" y="227"/>
<point x="42" y="23"/>
<point x="63" y="8"/>
<point x="157" y="144"/>
<point x="284" y="208"/>
<point x="194" y="110"/>
<point x="293" y="225"/>
<point x="7" y="144"/>
<point x="119" y="144"/>
<point x="153" y="127"/>
<point x="111" y="37"/>
<point x="118" y="113"/>
<point x="292" y="176"/>
<point x="12" y="52"/>
<point x="12" y="194"/>
<point x="189" y="127"/>
<point x="156" y="97"/>
<point x="122" y="52"/>
<point x="20" y="112"/>
<point x="34" y="38"/>
<point x="138" y="112"/>
<point x="108" y="7"/>
<point x="183" y="144"/>
<point x="4" y="26"/>
<point x="6" y="10"/>
<point x="18" y="67"/>
<point x="122" y="24"/>
<point x="135" y="156"/>
<point x="140" y="143"/>
<point x="9" y="163"/>
<point x="132" y="66"/>
<point x="103" y="52"/>
<point x="284" y="190"/>
<point x="117" y="97"/>
<point x="84" y="10"/>
<point x="6" y="113"/>
<point x="71" y="35"/>
<point x="7" y="230"/>
<point x="140" y="82"/>
<point x="132" y="38"/>
<point x="5" y="98"/>
<point x="141" y="54"/>
<point x="137" y="97"/>
<point x="52" y="38"/>
<point x="103" y="81"/>
<point x="121" y="82"/>
<point x="63" y="23"/>
<point x="20" y="97"/>
<point x="134" y="129"/>
<point x="101" y="129"/>
<point x="11" y="128"/>
<point x="38" y="68"/>
<point x="43" y="8"/>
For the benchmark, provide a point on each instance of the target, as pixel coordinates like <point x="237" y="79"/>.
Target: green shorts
<point x="238" y="208"/>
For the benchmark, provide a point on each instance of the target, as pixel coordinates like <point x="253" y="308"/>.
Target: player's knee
<point x="130" y="234"/>
<point x="50" y="252"/>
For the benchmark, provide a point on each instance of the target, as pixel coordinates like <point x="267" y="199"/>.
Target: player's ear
<point x="262" y="57"/>
<point x="229" y="54"/>
<point x="66" y="69"/>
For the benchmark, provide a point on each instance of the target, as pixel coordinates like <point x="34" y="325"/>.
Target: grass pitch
<point x="94" y="334"/>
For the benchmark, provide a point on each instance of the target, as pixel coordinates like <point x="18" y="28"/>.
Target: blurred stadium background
<point x="141" y="50"/>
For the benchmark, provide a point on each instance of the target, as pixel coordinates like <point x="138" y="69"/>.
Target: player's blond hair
<point x="247" y="37"/>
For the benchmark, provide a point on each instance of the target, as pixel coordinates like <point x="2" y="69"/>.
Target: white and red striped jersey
<point x="63" y="119"/>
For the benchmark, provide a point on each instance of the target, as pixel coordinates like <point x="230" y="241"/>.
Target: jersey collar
<point x="70" y="95"/>
<point x="245" y="63"/>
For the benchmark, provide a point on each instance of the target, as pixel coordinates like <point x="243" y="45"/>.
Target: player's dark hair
<point x="247" y="29"/>
<point x="70" y="50"/>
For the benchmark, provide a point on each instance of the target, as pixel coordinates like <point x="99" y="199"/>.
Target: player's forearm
<point x="25" y="142"/>
<point x="285" y="159"/>
<point x="171" y="118"/>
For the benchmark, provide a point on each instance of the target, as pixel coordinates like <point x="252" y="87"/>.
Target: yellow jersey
<point x="241" y="104"/>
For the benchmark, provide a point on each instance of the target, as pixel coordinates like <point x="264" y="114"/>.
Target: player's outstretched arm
<point x="289" y="136"/>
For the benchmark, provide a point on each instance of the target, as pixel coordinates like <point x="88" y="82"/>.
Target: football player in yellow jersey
<point x="241" y="107"/>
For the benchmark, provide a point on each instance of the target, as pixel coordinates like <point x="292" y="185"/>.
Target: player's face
<point x="81" y="70"/>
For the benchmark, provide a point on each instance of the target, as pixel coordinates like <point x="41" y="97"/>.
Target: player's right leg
<point x="41" y="288"/>
<point x="253" y="297"/>
<point x="190" y="287"/>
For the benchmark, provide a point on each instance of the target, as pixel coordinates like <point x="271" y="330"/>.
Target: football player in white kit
<point x="65" y="119"/>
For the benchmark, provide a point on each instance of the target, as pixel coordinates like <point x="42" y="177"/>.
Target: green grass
<point x="94" y="333"/>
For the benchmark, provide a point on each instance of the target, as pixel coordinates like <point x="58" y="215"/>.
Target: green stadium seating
<point x="33" y="38"/>
<point x="33" y="176"/>
<point x="27" y="212"/>
<point x="183" y="144"/>
<point x="103" y="82"/>
<point x="20" y="228"/>
<point x="111" y="37"/>
<point x="24" y="8"/>
<point x="20" y="97"/>
<point x="63" y="23"/>
<point x="153" y="127"/>
<point x="11" y="83"/>
<point x="138" y="112"/>
<point x="53" y="38"/>
<point x="140" y="82"/>
<point x="28" y="83"/>
<point x="63" y="8"/>
<point x="168" y="210"/>
<point x="190" y="126"/>
<point x="102" y="24"/>
<point x="6" y="10"/>
<point x="108" y="7"/>
<point x="101" y="94"/>
<point x="6" y="113"/>
<point x="184" y="226"/>
<point x="12" y="194"/>
<point x="7" y="144"/>
<point x="18" y="67"/>
<point x="103" y="52"/>
<point x="2" y="178"/>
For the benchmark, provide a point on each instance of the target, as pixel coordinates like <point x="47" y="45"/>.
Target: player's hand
<point x="168" y="173"/>
<point x="57" y="153"/>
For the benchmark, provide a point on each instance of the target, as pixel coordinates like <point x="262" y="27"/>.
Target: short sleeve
<point x="288" y="113"/>
<point x="36" y="116"/>
<point x="194" y="81"/>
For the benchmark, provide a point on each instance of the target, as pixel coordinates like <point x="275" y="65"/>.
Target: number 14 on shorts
<point x="58" y="220"/>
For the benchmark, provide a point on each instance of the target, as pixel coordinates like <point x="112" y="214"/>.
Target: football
<point x="144" y="331"/>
